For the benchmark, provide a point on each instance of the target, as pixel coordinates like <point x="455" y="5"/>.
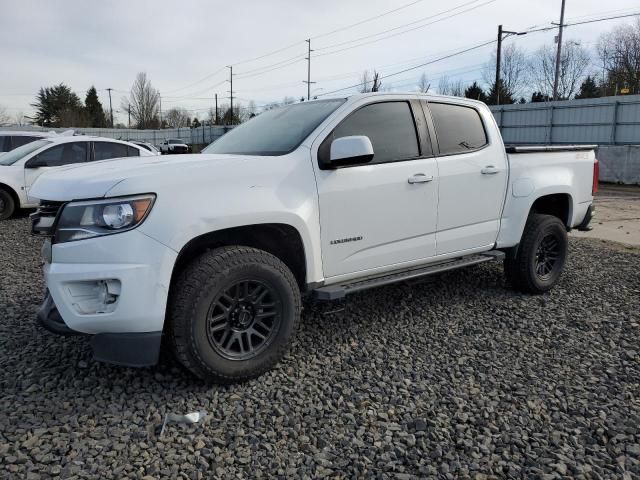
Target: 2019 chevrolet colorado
<point x="325" y="198"/>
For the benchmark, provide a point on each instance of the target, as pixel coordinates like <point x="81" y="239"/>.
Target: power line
<point x="417" y="66"/>
<point x="429" y="17"/>
<point x="375" y="17"/>
<point x="258" y="69"/>
<point x="199" y="81"/>
<point x="405" y="31"/>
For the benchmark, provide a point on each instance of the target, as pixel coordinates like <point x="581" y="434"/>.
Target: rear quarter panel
<point x="535" y="175"/>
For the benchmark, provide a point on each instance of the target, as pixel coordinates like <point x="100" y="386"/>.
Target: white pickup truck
<point x="324" y="198"/>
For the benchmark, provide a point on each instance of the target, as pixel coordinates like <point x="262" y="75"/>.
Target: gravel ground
<point x="455" y="377"/>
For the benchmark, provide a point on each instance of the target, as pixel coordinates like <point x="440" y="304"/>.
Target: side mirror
<point x="352" y="150"/>
<point x="35" y="162"/>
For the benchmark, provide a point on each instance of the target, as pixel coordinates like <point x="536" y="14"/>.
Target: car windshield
<point x="275" y="132"/>
<point x="174" y="141"/>
<point x="13" y="156"/>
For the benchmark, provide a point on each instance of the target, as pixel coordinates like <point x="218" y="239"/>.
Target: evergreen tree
<point x="589" y="89"/>
<point x="58" y="106"/>
<point x="195" y="123"/>
<point x="93" y="109"/>
<point x="538" y="97"/>
<point x="475" y="92"/>
<point x="500" y="95"/>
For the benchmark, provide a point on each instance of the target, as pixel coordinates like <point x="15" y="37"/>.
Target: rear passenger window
<point x="389" y="126"/>
<point x="108" y="150"/>
<point x="459" y="129"/>
<point x="5" y="144"/>
<point x="133" y="151"/>
<point x="19" y="140"/>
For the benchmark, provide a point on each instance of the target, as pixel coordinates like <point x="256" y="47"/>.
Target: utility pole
<point x="506" y="33"/>
<point x="110" y="108"/>
<point x="308" y="81"/>
<point x="559" y="53"/>
<point x="230" y="67"/>
<point x="160" y="98"/>
<point x="129" y="111"/>
<point x="217" y="109"/>
<point x="498" y="65"/>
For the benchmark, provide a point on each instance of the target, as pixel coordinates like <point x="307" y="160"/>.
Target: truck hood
<point x="94" y="180"/>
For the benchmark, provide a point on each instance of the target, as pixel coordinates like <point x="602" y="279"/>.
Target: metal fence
<point x="602" y="121"/>
<point x="191" y="136"/>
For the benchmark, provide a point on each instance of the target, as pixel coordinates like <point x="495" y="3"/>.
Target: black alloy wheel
<point x="547" y="255"/>
<point x="242" y="320"/>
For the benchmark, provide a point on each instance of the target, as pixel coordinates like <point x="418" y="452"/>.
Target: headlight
<point x="95" y="218"/>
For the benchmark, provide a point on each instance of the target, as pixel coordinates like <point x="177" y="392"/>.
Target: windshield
<point x="174" y="141"/>
<point x="275" y="132"/>
<point x="13" y="156"/>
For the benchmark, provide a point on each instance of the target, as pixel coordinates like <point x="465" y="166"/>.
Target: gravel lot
<point x="456" y="377"/>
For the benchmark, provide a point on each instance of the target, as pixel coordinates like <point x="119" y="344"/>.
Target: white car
<point x="12" y="139"/>
<point x="324" y="198"/>
<point x="174" y="145"/>
<point x="19" y="168"/>
<point x="147" y="146"/>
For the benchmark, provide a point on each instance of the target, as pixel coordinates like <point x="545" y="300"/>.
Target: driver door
<point x="382" y="214"/>
<point x="52" y="158"/>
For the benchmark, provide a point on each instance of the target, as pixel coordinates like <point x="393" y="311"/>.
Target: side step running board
<point x="335" y="292"/>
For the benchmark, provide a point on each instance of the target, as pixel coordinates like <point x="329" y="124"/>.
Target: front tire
<point x="233" y="313"/>
<point x="542" y="253"/>
<point x="7" y="204"/>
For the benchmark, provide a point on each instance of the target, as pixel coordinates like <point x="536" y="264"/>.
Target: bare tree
<point x="423" y="83"/>
<point x="377" y="82"/>
<point x="444" y="86"/>
<point x="288" y="100"/>
<point x="619" y="52"/>
<point x="365" y="81"/>
<point x="457" y="88"/>
<point x="177" y="117"/>
<point x="145" y="102"/>
<point x="5" y="118"/>
<point x="251" y="109"/>
<point x="514" y="70"/>
<point x="574" y="63"/>
<point x="370" y="82"/>
<point x="20" y="118"/>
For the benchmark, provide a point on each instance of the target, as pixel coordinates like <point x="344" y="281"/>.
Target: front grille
<point x="44" y="219"/>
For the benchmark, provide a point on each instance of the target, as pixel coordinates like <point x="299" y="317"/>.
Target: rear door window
<point x="459" y="129"/>
<point x="108" y="150"/>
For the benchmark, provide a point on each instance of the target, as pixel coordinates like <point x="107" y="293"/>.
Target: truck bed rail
<point x="548" y="148"/>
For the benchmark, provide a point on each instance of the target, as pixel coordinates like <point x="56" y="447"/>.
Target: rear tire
<point x="233" y="314"/>
<point x="541" y="256"/>
<point x="7" y="204"/>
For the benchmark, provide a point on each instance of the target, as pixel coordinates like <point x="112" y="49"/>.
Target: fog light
<point x="94" y="297"/>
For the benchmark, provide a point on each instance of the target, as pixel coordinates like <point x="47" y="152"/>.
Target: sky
<point x="184" y="47"/>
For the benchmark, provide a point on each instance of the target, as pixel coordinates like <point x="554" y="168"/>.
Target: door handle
<point x="420" y="178"/>
<point x="489" y="170"/>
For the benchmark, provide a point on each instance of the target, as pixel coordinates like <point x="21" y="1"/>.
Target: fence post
<point x="550" y="135"/>
<point x="614" y="122"/>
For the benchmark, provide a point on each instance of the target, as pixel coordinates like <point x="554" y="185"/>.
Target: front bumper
<point x="113" y="288"/>
<point x="127" y="349"/>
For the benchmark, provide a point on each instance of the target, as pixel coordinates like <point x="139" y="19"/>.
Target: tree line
<point x="612" y="68"/>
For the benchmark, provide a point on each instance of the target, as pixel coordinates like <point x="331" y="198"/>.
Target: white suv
<point x="20" y="167"/>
